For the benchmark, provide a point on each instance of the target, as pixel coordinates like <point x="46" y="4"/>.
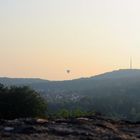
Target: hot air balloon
<point x="68" y="71"/>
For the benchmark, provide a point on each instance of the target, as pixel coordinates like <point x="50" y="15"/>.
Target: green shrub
<point x="21" y="102"/>
<point x="66" y="113"/>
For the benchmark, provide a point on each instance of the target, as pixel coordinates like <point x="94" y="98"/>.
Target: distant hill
<point x="115" y="94"/>
<point x="20" y="81"/>
<point x="125" y="77"/>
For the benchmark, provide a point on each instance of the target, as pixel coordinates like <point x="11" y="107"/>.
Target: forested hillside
<point x="115" y="94"/>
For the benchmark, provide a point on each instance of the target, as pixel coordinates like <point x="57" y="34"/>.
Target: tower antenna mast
<point x="131" y="66"/>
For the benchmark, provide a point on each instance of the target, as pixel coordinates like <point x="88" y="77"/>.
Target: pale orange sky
<point x="44" y="38"/>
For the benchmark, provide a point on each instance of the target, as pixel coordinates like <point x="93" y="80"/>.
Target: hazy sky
<point x="44" y="38"/>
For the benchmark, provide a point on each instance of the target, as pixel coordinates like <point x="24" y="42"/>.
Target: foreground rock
<point x="90" y="128"/>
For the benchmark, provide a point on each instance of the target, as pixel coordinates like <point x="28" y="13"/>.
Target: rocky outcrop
<point x="90" y="128"/>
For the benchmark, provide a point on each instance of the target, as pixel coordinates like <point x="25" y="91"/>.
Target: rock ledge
<point x="89" y="128"/>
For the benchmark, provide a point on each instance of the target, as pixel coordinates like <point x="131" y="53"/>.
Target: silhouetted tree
<point x="17" y="102"/>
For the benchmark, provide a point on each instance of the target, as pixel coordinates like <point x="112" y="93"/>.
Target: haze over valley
<point x="114" y="94"/>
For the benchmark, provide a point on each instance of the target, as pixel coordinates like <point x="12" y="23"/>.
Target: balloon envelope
<point x="68" y="71"/>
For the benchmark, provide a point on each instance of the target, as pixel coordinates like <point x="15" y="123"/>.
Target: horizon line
<point x="38" y="78"/>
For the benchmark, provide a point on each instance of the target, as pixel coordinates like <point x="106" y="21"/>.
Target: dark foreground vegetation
<point x="20" y="102"/>
<point x="24" y="102"/>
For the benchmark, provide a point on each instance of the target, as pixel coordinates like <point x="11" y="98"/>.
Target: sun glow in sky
<point x="44" y="38"/>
